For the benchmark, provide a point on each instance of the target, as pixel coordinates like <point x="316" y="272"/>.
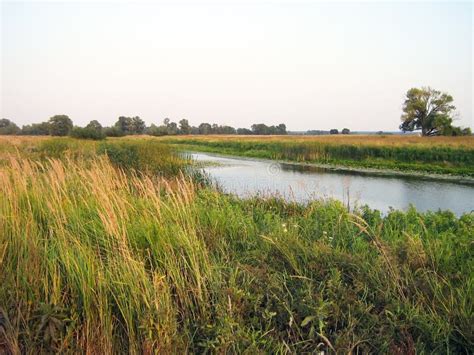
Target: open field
<point x="117" y="246"/>
<point x="439" y="155"/>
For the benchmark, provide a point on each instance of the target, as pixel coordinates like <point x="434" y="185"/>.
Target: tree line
<point x="62" y="125"/>
<point x="425" y="109"/>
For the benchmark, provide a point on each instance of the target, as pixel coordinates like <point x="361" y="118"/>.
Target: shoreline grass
<point x="96" y="257"/>
<point x="447" y="156"/>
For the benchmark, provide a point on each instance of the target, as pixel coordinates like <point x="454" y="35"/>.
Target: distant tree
<point x="427" y="109"/>
<point x="281" y="129"/>
<point x="345" y="131"/>
<point x="184" y="127"/>
<point x="334" y="131"/>
<point x="244" y="131"/>
<point x="138" y="125"/>
<point x="205" y="128"/>
<point x="171" y="127"/>
<point x="226" y="130"/>
<point x="7" y="127"/>
<point x="113" y="131"/>
<point x="124" y="124"/>
<point x="93" y="130"/>
<point x="95" y="125"/>
<point x="87" y="133"/>
<point x="36" y="129"/>
<point x="155" y="130"/>
<point x="60" y="125"/>
<point x="130" y="125"/>
<point x="260" y="129"/>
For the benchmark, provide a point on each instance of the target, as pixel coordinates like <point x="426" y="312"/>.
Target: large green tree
<point x="60" y="125"/>
<point x="427" y="110"/>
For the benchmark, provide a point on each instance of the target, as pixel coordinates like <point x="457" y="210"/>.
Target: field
<point x="434" y="155"/>
<point x="119" y="246"/>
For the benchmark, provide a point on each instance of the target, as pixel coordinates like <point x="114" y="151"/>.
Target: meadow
<point x="433" y="155"/>
<point x="120" y="247"/>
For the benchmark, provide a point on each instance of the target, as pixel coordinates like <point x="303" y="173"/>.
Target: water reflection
<point x="246" y="177"/>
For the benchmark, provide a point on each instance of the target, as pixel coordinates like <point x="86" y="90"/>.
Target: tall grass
<point x="98" y="258"/>
<point x="373" y="153"/>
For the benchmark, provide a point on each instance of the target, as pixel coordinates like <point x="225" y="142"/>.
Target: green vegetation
<point x="8" y="127"/>
<point x="93" y="131"/>
<point x="430" y="111"/>
<point x="98" y="254"/>
<point x="438" y="159"/>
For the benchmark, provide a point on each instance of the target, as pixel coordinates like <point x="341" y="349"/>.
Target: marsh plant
<point x="98" y="257"/>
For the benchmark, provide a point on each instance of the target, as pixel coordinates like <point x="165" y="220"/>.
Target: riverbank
<point x="112" y="247"/>
<point x="465" y="180"/>
<point x="435" y="159"/>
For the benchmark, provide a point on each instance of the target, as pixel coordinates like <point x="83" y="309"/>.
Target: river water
<point x="246" y="177"/>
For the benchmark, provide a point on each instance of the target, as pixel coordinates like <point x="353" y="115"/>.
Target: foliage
<point x="130" y="125"/>
<point x="60" y="125"/>
<point x="334" y="131"/>
<point x="87" y="133"/>
<point x="345" y="131"/>
<point x="244" y="131"/>
<point x="263" y="129"/>
<point x="429" y="110"/>
<point x="36" y="129"/>
<point x="184" y="127"/>
<point x="205" y="128"/>
<point x="93" y="130"/>
<point x="113" y="132"/>
<point x="98" y="260"/>
<point x="8" y="127"/>
<point x="155" y="130"/>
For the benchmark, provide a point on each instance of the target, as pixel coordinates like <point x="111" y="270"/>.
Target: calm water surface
<point x="246" y="177"/>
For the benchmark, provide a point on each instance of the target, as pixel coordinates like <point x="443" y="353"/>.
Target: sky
<point x="310" y="65"/>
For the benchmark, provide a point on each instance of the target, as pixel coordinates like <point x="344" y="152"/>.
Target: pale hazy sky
<point x="309" y="65"/>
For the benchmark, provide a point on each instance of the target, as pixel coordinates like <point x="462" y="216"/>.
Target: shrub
<point x="87" y="133"/>
<point x="113" y="132"/>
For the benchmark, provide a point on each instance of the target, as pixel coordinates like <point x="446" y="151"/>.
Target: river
<point x="247" y="177"/>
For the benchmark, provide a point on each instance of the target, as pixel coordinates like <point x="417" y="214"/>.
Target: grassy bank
<point x="438" y="155"/>
<point x="101" y="254"/>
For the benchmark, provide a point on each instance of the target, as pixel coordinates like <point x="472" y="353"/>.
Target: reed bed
<point x="99" y="257"/>
<point x="442" y="155"/>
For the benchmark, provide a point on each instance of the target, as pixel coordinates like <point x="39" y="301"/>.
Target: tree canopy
<point x="130" y="125"/>
<point x="60" y="125"/>
<point x="428" y="110"/>
<point x="8" y="127"/>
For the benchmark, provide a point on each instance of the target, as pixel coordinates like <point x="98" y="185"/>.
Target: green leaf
<point x="307" y="320"/>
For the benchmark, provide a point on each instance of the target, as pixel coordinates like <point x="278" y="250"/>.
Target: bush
<point x="113" y="132"/>
<point x="87" y="133"/>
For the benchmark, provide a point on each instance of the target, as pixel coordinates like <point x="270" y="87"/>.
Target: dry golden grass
<point x="12" y="142"/>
